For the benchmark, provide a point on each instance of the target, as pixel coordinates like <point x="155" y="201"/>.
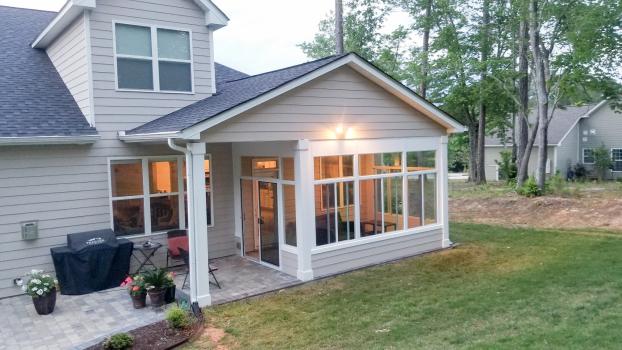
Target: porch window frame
<point x="155" y="58"/>
<point x="404" y="174"/>
<point x="147" y="195"/>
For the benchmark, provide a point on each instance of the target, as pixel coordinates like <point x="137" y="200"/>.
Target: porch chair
<point x="186" y="258"/>
<point x="176" y="239"/>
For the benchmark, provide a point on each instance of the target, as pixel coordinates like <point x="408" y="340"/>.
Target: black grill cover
<point x="92" y="261"/>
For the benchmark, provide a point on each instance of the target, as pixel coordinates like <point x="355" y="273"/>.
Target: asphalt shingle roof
<point x="34" y="101"/>
<point x="563" y="119"/>
<point x="230" y="94"/>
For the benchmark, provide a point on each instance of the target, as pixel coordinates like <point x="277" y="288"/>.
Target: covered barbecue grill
<point x="92" y="261"/>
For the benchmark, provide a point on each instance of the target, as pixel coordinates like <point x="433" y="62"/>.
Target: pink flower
<point x="127" y="281"/>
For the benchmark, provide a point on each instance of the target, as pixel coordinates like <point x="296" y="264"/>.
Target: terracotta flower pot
<point x="139" y="301"/>
<point x="169" y="296"/>
<point x="45" y="304"/>
<point x="156" y="296"/>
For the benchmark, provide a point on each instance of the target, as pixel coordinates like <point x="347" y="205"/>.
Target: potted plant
<point x="42" y="288"/>
<point x="169" y="295"/>
<point x="156" y="283"/>
<point x="136" y="289"/>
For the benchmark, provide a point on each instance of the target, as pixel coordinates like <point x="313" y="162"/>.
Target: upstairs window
<point x="153" y="59"/>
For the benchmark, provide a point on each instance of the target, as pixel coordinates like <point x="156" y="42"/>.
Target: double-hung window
<point x="147" y="194"/>
<point x="153" y="59"/>
<point x="616" y="158"/>
<point x="588" y="156"/>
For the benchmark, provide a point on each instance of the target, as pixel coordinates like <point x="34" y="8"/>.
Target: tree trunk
<point x="473" y="153"/>
<point x="481" y="128"/>
<point x="339" y="27"/>
<point x="425" y="47"/>
<point x="541" y="91"/>
<point x="522" y="134"/>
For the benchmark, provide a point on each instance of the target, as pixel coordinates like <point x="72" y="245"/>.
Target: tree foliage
<point x="472" y="58"/>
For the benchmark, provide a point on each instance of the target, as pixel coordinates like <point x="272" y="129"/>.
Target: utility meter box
<point x="30" y="230"/>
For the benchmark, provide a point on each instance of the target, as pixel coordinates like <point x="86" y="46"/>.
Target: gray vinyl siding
<point x="66" y="189"/>
<point x="493" y="154"/>
<point x="608" y="127"/>
<point x="69" y="53"/>
<point x="374" y="252"/>
<point x="312" y="111"/>
<point x="124" y="110"/>
<point x="289" y="262"/>
<point x="568" y="151"/>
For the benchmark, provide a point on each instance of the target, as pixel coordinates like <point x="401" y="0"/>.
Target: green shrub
<point x="530" y="188"/>
<point x="507" y="168"/>
<point x="119" y="341"/>
<point x="178" y="318"/>
<point x="602" y="162"/>
<point x="556" y="184"/>
<point x="580" y="172"/>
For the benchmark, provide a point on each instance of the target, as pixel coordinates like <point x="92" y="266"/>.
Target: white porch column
<point x="305" y="210"/>
<point x="443" y="190"/>
<point x="197" y="224"/>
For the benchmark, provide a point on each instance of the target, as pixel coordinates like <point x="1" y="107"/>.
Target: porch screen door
<point x="268" y="227"/>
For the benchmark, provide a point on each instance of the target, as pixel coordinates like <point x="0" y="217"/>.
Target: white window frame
<point x="404" y="174"/>
<point x="147" y="195"/>
<point x="583" y="154"/>
<point x="155" y="59"/>
<point x="614" y="160"/>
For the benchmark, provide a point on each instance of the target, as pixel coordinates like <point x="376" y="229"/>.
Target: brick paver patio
<point x="81" y="321"/>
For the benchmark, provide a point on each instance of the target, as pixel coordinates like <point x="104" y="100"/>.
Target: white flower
<point x="55" y="281"/>
<point x="45" y="289"/>
<point x="36" y="281"/>
<point x="35" y="272"/>
<point x="46" y="284"/>
<point x="34" y="288"/>
<point x="40" y="292"/>
<point x="46" y="276"/>
<point x="24" y="288"/>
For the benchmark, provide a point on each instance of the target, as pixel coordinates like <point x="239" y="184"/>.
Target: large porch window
<point x="363" y="195"/>
<point x="148" y="194"/>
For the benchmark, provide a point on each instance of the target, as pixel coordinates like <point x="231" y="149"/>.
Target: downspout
<point x="191" y="236"/>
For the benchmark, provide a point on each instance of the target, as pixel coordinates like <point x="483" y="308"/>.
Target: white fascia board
<point x="405" y="94"/>
<point x="214" y="17"/>
<point x="155" y="137"/>
<point x="353" y="61"/>
<point x="70" y="11"/>
<point x="48" y="140"/>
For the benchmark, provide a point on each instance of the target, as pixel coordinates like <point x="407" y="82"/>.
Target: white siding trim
<point x="89" y="63"/>
<point x="48" y="140"/>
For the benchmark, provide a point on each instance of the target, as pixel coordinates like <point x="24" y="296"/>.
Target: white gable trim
<point x="70" y="11"/>
<point x="214" y="19"/>
<point x="586" y="115"/>
<point x="48" y="140"/>
<point x="353" y="61"/>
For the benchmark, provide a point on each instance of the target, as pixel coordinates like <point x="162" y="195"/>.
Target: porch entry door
<point x="260" y="221"/>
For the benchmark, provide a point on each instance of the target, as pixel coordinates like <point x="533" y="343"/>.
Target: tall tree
<point x="339" y="26"/>
<point x="481" y="127"/>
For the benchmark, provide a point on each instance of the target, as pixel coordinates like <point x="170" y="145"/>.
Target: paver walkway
<point x="77" y="321"/>
<point x="84" y="320"/>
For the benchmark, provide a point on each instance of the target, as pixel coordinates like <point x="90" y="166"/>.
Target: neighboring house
<point x="573" y="133"/>
<point x="113" y="114"/>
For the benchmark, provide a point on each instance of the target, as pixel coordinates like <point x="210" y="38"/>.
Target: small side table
<point x="143" y="254"/>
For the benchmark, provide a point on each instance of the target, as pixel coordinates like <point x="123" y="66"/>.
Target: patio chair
<point x="186" y="258"/>
<point x="176" y="239"/>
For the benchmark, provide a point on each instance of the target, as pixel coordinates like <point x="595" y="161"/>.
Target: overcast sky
<point x="261" y="36"/>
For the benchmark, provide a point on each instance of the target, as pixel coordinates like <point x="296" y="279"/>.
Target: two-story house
<point x="574" y="133"/>
<point x="113" y="114"/>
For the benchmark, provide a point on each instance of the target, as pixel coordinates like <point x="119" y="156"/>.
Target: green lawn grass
<point x="500" y="288"/>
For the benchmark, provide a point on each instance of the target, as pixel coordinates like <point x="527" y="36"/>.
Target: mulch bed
<point x="158" y="336"/>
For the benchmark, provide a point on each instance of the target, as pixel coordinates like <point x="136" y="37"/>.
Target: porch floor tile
<point x="242" y="278"/>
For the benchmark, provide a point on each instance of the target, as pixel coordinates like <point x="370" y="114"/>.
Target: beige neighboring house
<point x="114" y="115"/>
<point x="573" y="133"/>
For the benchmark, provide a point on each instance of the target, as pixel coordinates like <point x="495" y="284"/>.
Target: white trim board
<point x="214" y="19"/>
<point x="48" y="140"/>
